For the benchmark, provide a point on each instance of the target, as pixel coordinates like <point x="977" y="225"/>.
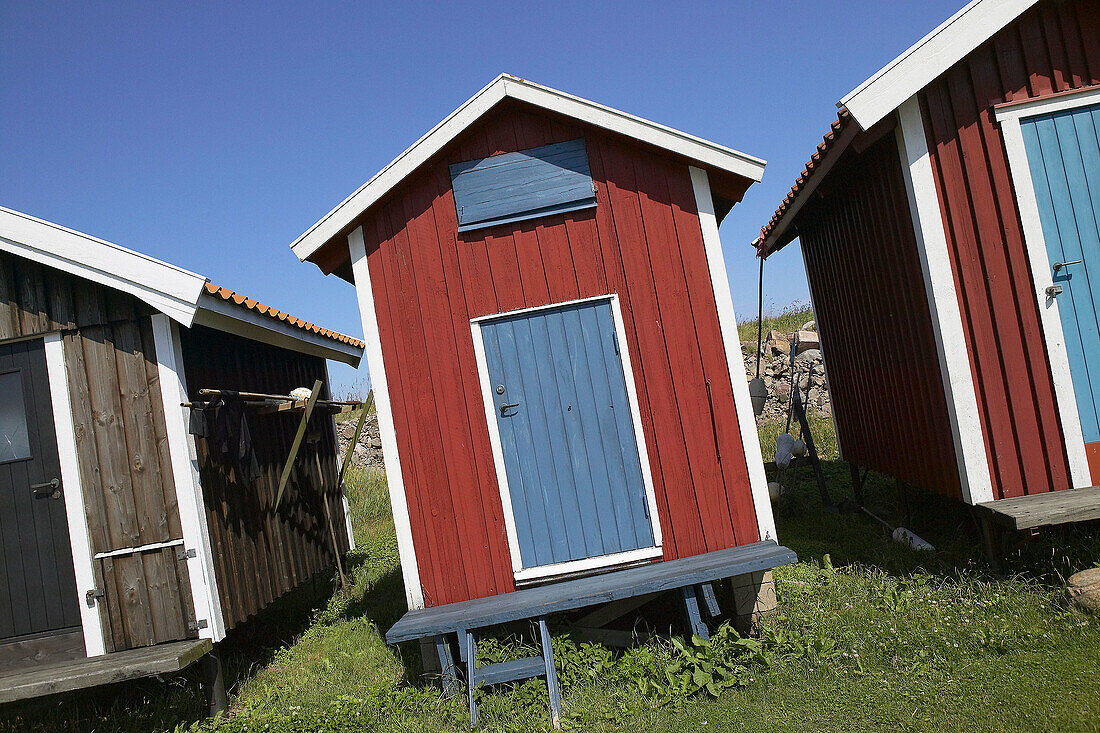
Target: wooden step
<point x="519" y="669"/>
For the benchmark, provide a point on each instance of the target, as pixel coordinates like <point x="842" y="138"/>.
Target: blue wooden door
<point x="1063" y="152"/>
<point x="570" y="452"/>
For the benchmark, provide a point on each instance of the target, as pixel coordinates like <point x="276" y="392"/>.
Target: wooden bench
<point x="1043" y="510"/>
<point x="690" y="576"/>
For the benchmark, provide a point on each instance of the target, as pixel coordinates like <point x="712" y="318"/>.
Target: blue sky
<point x="211" y="135"/>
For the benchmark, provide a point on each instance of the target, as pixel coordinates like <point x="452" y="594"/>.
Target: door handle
<point x="1059" y="265"/>
<point x="504" y="408"/>
<point x="49" y="490"/>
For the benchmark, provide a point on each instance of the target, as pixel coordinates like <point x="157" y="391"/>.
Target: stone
<point x="1083" y="590"/>
<point x="807" y="340"/>
<point x="809" y="326"/>
<point x="780" y="347"/>
<point x="753" y="598"/>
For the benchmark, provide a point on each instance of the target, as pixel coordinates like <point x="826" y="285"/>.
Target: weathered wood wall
<point x="262" y="554"/>
<point x="122" y="445"/>
<point x="1054" y="47"/>
<point x="643" y="241"/>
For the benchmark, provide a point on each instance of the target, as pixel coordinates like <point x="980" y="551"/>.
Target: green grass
<point x="785" y="320"/>
<point x="924" y="641"/>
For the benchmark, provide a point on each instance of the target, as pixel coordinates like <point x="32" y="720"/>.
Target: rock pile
<point x="369" y="450"/>
<point x="775" y="370"/>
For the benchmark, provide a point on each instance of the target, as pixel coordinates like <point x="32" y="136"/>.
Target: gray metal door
<point x="37" y="581"/>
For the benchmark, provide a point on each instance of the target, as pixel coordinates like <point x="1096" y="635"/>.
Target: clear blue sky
<point x="211" y="135"/>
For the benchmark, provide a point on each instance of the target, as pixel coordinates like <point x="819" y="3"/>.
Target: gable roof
<point x="183" y="296"/>
<point x="506" y="86"/>
<point x="886" y="90"/>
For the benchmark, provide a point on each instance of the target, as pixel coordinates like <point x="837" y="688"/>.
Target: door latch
<point x="91" y="596"/>
<point x="50" y="489"/>
<point x="1053" y="291"/>
<point x="1057" y="266"/>
<point x="504" y="408"/>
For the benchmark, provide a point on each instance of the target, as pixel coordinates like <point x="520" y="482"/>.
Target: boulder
<point x="807" y="340"/>
<point x="1083" y="589"/>
<point x="809" y="326"/>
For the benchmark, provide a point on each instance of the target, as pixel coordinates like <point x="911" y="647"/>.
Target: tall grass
<point x="786" y="319"/>
<point x="820" y="425"/>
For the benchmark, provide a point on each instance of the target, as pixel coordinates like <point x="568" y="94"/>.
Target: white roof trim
<point x="696" y="149"/>
<point x="176" y="293"/>
<point x="223" y="315"/>
<point x="930" y="57"/>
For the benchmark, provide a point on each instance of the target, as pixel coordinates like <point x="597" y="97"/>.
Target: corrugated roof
<point x="248" y="304"/>
<point x="843" y="119"/>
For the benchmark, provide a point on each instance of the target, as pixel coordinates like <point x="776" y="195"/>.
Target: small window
<point x="552" y="179"/>
<point x="15" y="444"/>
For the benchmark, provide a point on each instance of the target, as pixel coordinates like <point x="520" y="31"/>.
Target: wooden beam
<point x="297" y="441"/>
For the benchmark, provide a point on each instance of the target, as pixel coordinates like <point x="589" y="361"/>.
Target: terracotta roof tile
<point x="247" y="303"/>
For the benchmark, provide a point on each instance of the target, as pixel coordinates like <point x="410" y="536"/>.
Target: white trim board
<point x="943" y="306"/>
<point x="185" y="478"/>
<point x="504" y="86"/>
<point x="923" y="62"/>
<point x="72" y="491"/>
<point x="410" y="572"/>
<point x="223" y="315"/>
<point x="169" y="289"/>
<point x="1041" y="273"/>
<point x="727" y="321"/>
<point x="521" y="573"/>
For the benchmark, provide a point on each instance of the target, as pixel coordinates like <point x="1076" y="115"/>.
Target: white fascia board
<point x="170" y="289"/>
<point x="214" y="312"/>
<point x="694" y="148"/>
<point x="930" y="57"/>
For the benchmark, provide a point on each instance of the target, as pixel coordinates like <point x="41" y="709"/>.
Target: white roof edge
<point x="924" y="61"/>
<point x="702" y="151"/>
<point x="222" y="315"/>
<point x="176" y="293"/>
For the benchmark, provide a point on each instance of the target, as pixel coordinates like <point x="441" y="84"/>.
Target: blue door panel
<point x="570" y="453"/>
<point x="1063" y="153"/>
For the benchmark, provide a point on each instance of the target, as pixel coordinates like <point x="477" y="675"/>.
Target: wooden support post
<point x="710" y="601"/>
<point x="297" y="441"/>
<point x="691" y="610"/>
<point x="471" y="675"/>
<point x="811" y="449"/>
<point x="857" y="482"/>
<point x="991" y="545"/>
<point x="447" y="673"/>
<point x="551" y="674"/>
<point x="213" y="683"/>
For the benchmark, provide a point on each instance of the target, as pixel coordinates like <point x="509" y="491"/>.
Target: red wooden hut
<point x="948" y="224"/>
<point x="553" y="348"/>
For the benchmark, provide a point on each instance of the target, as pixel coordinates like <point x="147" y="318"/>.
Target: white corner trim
<point x="185" y="478"/>
<point x="928" y="58"/>
<point x="1058" y="102"/>
<point x="943" y="305"/>
<point x="522" y="573"/>
<point x="220" y="314"/>
<point x="169" y="289"/>
<point x="91" y="621"/>
<point x="727" y="321"/>
<point x="694" y="148"/>
<point x="410" y="571"/>
<point x="1042" y="278"/>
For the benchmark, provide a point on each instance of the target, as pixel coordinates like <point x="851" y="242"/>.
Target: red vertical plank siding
<point x="867" y="284"/>
<point x="643" y="241"/>
<point x="1051" y="48"/>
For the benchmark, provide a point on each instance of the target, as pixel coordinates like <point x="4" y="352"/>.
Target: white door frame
<point x="598" y="562"/>
<point x="1009" y="116"/>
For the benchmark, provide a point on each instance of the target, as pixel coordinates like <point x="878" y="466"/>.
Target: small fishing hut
<point x="129" y="545"/>
<point x="554" y="353"/>
<point x="949" y="223"/>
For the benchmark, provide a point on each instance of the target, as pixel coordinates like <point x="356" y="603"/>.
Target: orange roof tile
<point x="247" y="303"/>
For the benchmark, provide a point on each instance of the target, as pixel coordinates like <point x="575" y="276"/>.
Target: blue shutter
<point x="512" y="187"/>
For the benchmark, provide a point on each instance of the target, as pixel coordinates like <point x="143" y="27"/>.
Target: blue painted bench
<point x="691" y="576"/>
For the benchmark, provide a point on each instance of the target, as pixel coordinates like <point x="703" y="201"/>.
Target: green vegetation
<point x="785" y="320"/>
<point x="869" y="635"/>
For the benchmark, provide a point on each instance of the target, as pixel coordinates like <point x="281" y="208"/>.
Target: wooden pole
<point x="328" y="516"/>
<point x="297" y="441"/>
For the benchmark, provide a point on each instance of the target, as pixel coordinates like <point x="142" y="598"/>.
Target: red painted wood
<point x="1092" y="454"/>
<point x="1051" y="48"/>
<point x="643" y="242"/>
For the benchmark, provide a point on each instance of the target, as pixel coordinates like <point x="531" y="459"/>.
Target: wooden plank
<point x="571" y="594"/>
<point x="1043" y="510"/>
<point x="608" y="612"/>
<point x="517" y="669"/>
<point x="42" y="649"/>
<point x="50" y="679"/>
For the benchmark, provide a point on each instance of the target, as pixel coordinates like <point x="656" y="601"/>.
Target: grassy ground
<point x="869" y="635"/>
<point x="785" y="320"/>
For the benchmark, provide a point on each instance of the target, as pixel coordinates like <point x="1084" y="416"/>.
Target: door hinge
<point x="196" y="625"/>
<point x="91" y="596"/>
<point x="182" y="554"/>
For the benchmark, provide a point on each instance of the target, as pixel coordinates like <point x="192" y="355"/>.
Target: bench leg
<point x="989" y="536"/>
<point x="445" y="653"/>
<point x="691" y="609"/>
<point x="706" y="590"/>
<point x="213" y="683"/>
<point x="551" y="674"/>
<point x="471" y="677"/>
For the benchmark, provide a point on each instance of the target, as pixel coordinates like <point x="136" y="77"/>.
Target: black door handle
<point x="504" y="408"/>
<point x="49" y="490"/>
